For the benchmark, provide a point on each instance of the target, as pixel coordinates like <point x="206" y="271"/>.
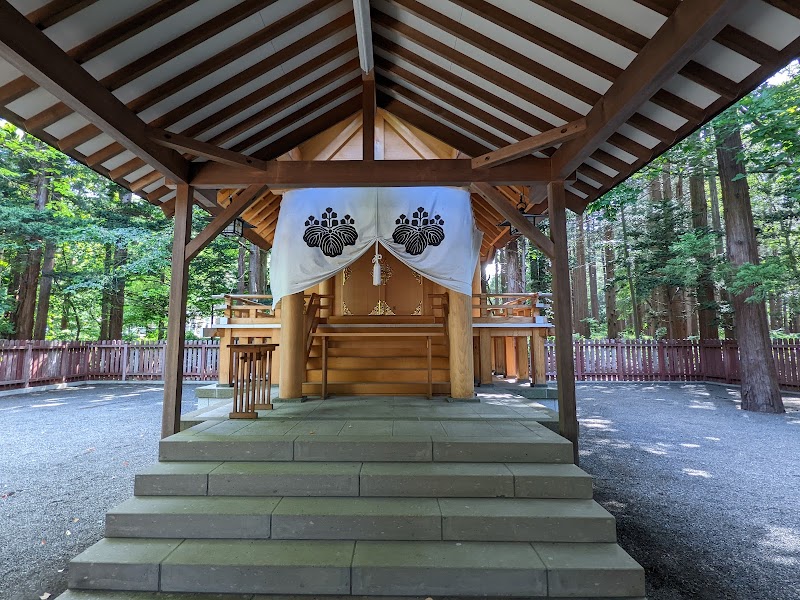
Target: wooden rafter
<point x="40" y="59"/>
<point x="686" y="31"/>
<point x="225" y="217"/>
<point x="497" y="201"/>
<point x="546" y="139"/>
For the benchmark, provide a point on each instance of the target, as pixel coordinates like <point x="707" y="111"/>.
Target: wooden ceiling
<point x="105" y="81"/>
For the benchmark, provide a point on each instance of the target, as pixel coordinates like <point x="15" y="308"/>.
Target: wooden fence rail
<point x="27" y="364"/>
<point x="671" y="360"/>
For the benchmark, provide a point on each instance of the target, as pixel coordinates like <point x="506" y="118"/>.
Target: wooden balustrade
<point x="251" y="377"/>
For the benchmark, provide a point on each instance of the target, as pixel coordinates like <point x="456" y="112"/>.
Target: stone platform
<point x="369" y="497"/>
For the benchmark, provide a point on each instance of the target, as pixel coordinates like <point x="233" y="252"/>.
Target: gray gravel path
<point x="66" y="457"/>
<point x="706" y="496"/>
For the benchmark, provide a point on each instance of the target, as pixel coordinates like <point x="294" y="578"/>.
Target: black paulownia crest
<point x="329" y="233"/>
<point x="419" y="232"/>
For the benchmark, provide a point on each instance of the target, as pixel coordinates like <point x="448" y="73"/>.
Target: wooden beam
<point x="364" y="34"/>
<point x="183" y="143"/>
<point x="368" y="100"/>
<point x="351" y="173"/>
<point x="409" y="137"/>
<point x="497" y="201"/>
<point x="237" y="206"/>
<point x="344" y="136"/>
<point x="39" y="58"/>
<point x="543" y="140"/>
<point x="690" y="27"/>
<point x="176" y="320"/>
<point x="565" y="367"/>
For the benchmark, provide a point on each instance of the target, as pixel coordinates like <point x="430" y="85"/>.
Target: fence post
<point x="27" y="364"/>
<point x="662" y="361"/>
<point x="578" y="360"/>
<point x="124" y="361"/>
<point x="203" y="353"/>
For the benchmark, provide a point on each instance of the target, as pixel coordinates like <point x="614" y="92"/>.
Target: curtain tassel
<point x="376" y="267"/>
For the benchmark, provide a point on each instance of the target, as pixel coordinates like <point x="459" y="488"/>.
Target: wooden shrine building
<point x="526" y="107"/>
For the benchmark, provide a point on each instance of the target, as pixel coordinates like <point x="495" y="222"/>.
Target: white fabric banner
<point x="322" y="230"/>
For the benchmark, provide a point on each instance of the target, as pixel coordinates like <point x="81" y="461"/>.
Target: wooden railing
<point x="245" y="306"/>
<point x="251" y="377"/>
<point x="25" y="364"/>
<point x="507" y="305"/>
<point x="313" y="316"/>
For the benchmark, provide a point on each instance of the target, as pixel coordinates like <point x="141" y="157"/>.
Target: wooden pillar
<point x="523" y="370"/>
<point x="224" y="369"/>
<point x="538" y="362"/>
<point x="176" y="319"/>
<point x="499" y="356"/>
<point x="565" y="366"/>
<point x="511" y="357"/>
<point x="293" y="347"/>
<point x="485" y="351"/>
<point x="459" y="326"/>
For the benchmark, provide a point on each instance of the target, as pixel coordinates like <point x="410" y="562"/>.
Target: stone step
<point x="348" y="518"/>
<point x="388" y="479"/>
<point x="364" y="568"/>
<point x="542" y="446"/>
<point x="211" y="517"/>
<point x="104" y="595"/>
<point x="472" y="519"/>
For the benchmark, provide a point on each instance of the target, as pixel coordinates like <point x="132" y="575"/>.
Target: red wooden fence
<point x="671" y="360"/>
<point x="25" y="364"/>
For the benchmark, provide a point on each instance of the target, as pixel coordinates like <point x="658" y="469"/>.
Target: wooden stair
<point x="384" y="360"/>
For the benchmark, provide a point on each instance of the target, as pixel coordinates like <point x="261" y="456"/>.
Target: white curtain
<point x="320" y="231"/>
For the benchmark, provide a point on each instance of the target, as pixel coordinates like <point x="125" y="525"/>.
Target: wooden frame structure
<point x="547" y="105"/>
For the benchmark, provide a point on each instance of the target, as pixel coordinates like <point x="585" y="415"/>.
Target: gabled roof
<point x="260" y="77"/>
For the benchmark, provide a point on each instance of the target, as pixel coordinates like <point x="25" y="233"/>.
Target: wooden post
<point x="293" y="347"/>
<point x="485" y="347"/>
<point x="459" y="325"/>
<point x="511" y="356"/>
<point x="27" y="364"/>
<point x="539" y="356"/>
<point x="176" y="319"/>
<point x="124" y="360"/>
<point x="224" y="368"/>
<point x="565" y="367"/>
<point x="523" y="366"/>
<point x="328" y="288"/>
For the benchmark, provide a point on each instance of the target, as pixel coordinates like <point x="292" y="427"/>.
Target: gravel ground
<point x="706" y="496"/>
<point x="67" y="456"/>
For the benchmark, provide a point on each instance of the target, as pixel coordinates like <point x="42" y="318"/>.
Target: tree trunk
<point x="580" y="299"/>
<point x="45" y="289"/>
<point x="516" y="279"/>
<point x="255" y="283"/>
<point x="707" y="305"/>
<point x="716" y="223"/>
<point x="241" y="284"/>
<point x="29" y="281"/>
<point x="759" y="377"/>
<point x="612" y="318"/>
<point x="635" y="316"/>
<point x="117" y="294"/>
<point x="594" y="297"/>
<point x="105" y="295"/>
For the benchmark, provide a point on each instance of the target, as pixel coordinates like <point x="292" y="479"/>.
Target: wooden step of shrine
<point x="368" y="373"/>
<point x="339" y="360"/>
<point x="387" y="388"/>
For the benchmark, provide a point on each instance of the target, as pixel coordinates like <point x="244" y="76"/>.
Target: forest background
<point x="83" y="259"/>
